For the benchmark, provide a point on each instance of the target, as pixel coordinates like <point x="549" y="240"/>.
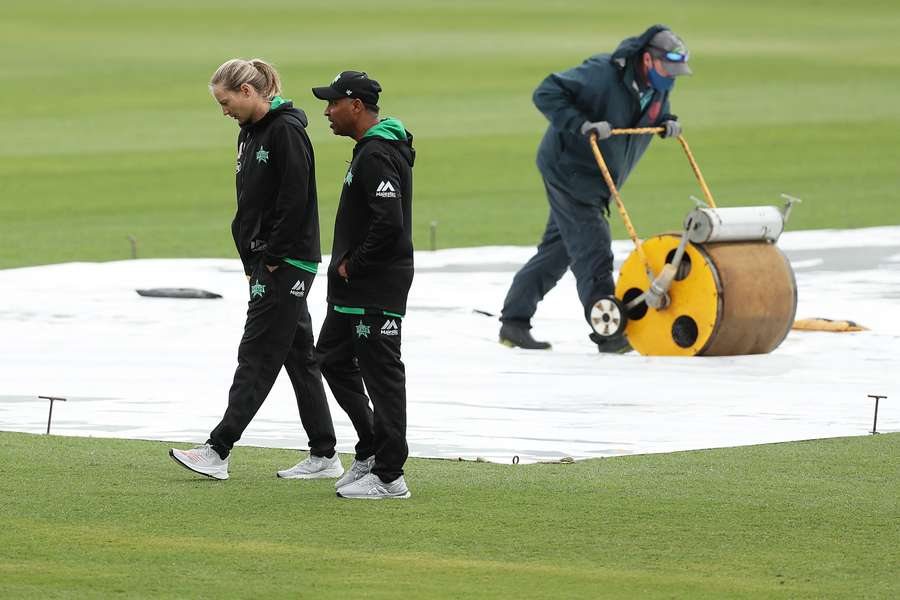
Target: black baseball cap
<point x="350" y="84"/>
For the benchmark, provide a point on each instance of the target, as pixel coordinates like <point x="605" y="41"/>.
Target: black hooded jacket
<point x="373" y="226"/>
<point x="605" y="87"/>
<point x="277" y="209"/>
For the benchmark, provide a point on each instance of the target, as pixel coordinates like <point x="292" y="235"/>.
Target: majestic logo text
<point x="386" y="190"/>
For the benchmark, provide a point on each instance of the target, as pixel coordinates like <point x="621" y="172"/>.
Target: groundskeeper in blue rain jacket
<point x="605" y="87"/>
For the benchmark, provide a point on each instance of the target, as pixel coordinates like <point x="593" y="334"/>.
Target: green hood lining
<point x="388" y="129"/>
<point x="278" y="101"/>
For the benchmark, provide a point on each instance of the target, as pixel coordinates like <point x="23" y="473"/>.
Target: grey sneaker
<point x="514" y="335"/>
<point x="203" y="460"/>
<point x="315" y="467"/>
<point x="358" y="470"/>
<point x="371" y="487"/>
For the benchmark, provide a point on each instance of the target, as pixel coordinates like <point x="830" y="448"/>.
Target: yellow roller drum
<point x="727" y="299"/>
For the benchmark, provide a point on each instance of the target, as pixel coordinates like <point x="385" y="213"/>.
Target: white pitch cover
<point x="160" y="368"/>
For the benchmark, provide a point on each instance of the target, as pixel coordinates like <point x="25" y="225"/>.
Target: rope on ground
<point x="821" y="324"/>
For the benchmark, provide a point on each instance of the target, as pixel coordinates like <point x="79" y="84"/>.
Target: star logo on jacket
<point x="348" y="178"/>
<point x="257" y="290"/>
<point x="363" y="330"/>
<point x="262" y="155"/>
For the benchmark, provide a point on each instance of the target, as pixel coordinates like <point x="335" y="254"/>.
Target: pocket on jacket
<point x="561" y="141"/>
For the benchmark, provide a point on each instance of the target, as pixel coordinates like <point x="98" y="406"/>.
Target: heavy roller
<point x="721" y="287"/>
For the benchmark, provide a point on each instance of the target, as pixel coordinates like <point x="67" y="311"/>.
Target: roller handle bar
<point x="687" y="151"/>
<point x="613" y="190"/>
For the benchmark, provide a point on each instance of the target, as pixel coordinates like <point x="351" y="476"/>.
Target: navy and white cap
<point x="350" y="84"/>
<point x="669" y="48"/>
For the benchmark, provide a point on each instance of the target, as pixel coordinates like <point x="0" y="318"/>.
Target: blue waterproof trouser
<point x="577" y="237"/>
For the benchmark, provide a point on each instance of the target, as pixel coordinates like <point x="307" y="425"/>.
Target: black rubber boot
<point x="519" y="336"/>
<point x="616" y="344"/>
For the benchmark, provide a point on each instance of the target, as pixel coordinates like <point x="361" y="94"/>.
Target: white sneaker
<point x="358" y="470"/>
<point x="371" y="487"/>
<point x="203" y="460"/>
<point x="315" y="467"/>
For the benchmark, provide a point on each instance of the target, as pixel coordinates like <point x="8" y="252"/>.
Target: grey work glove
<point x="673" y="129"/>
<point x="601" y="128"/>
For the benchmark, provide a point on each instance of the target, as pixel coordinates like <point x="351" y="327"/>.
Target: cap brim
<point x="677" y="68"/>
<point x="327" y="93"/>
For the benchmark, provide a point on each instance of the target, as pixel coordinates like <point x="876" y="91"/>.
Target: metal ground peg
<point x="875" y="422"/>
<point x="433" y="235"/>
<point x="52" y="399"/>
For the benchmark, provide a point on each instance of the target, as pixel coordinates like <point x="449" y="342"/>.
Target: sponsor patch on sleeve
<point x="387" y="189"/>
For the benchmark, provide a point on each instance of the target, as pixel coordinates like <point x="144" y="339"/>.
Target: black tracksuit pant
<point x="278" y="332"/>
<point x="356" y="349"/>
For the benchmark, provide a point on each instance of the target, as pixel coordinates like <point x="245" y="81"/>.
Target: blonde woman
<point x="276" y="231"/>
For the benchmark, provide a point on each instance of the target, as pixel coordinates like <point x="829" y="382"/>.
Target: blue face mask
<point x="659" y="82"/>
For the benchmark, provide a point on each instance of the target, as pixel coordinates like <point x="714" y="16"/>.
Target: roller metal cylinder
<point x="751" y="223"/>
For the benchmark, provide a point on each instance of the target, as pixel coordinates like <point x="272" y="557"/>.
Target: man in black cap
<point x="628" y="88"/>
<point x="369" y="278"/>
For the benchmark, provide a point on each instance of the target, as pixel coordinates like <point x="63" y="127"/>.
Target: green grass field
<point x="90" y="518"/>
<point x="109" y="130"/>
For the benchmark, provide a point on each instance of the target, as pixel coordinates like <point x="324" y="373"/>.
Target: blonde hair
<point x="258" y="73"/>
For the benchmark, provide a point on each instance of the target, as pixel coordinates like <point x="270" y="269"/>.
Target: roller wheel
<point x="608" y="317"/>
